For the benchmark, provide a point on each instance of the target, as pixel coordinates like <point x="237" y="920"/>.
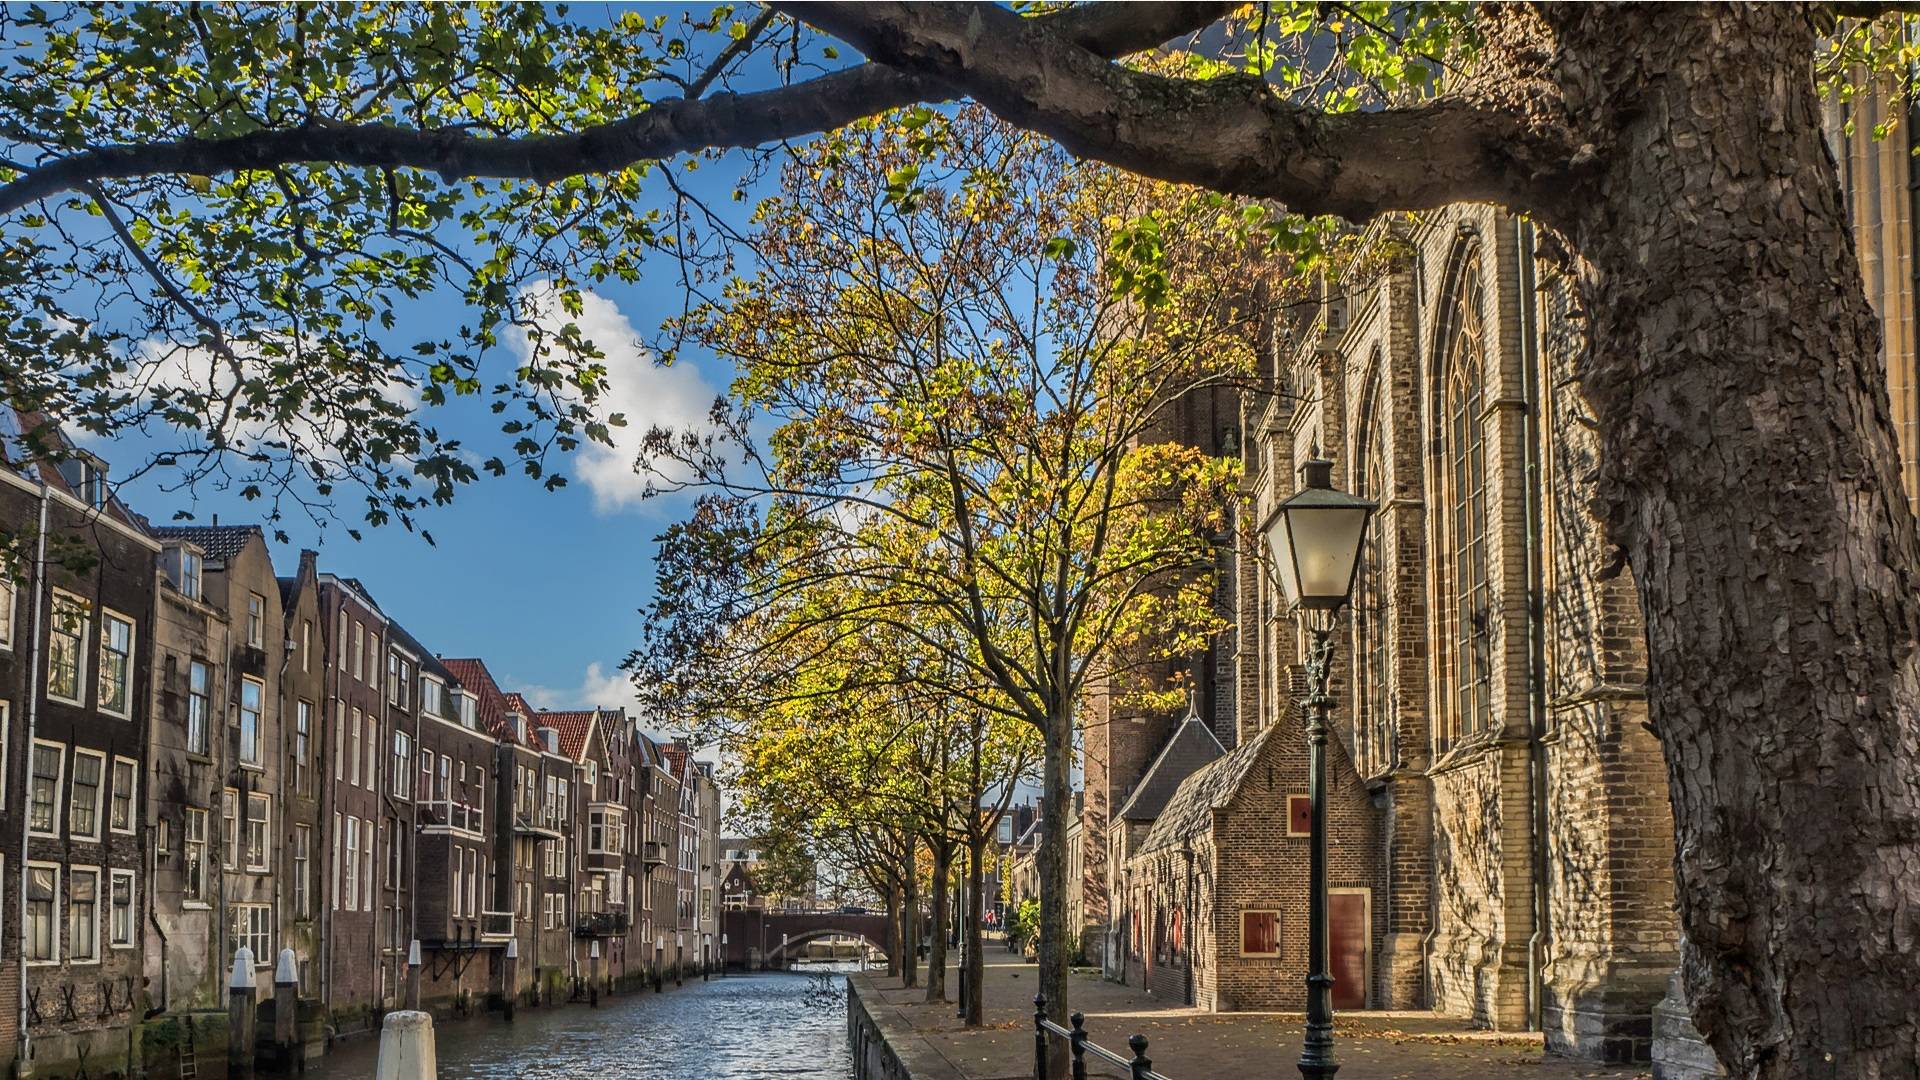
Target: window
<point x="6" y="716"/>
<point x="121" y="812"/>
<point x="469" y="716"/>
<point x="1469" y="593"/>
<point x="353" y="761"/>
<point x="189" y="583"/>
<point x="42" y="902"/>
<point x="83" y="808"/>
<point x="83" y="915"/>
<point x="426" y="775"/>
<point x="302" y="866"/>
<point x="339" y="739"/>
<point x="359" y="651"/>
<point x="366" y="855"/>
<point x="340" y="643"/>
<point x="473" y="883"/>
<point x="306" y="645"/>
<point x="116" y="663"/>
<point x="402" y="765"/>
<point x="199" y="706"/>
<point x="335" y="893"/>
<point x="373" y="752"/>
<point x="459" y="872"/>
<point x="8" y="594"/>
<point x="230" y="828"/>
<point x="120" y="921"/>
<point x="433" y="697"/>
<point x="445" y="783"/>
<point x="1259" y="933"/>
<point x="302" y="745"/>
<point x="256" y="620"/>
<point x="353" y="864"/>
<point x="251" y="925"/>
<point x="193" y="840"/>
<point x="399" y="680"/>
<point x="66" y="637"/>
<point x="1373" y="749"/>
<point x="252" y="693"/>
<point x="396" y="855"/>
<point x="259" y="832"/>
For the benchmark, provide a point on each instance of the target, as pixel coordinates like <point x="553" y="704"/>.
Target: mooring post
<point x="286" y="1002"/>
<point x="406" y="1047"/>
<point x="510" y="992"/>
<point x="240" y="1010"/>
<point x="413" y="974"/>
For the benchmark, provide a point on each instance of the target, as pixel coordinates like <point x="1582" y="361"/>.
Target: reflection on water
<point x="741" y="1027"/>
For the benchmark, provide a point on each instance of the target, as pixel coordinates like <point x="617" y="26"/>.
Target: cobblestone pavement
<point x="1187" y="1044"/>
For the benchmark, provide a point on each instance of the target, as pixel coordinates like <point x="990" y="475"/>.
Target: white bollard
<point x="406" y="1047"/>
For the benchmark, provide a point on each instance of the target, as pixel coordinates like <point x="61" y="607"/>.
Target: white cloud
<point x="598" y="687"/>
<point x="644" y="392"/>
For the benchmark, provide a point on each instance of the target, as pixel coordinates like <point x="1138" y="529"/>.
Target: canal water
<point x="742" y="1027"/>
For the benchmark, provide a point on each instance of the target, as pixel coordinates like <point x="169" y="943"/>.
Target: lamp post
<point x="1315" y="539"/>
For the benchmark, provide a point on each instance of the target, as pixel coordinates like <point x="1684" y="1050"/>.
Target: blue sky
<point x="545" y="586"/>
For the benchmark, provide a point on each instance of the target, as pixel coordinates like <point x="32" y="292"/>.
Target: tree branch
<point x="673" y="126"/>
<point x="1232" y="134"/>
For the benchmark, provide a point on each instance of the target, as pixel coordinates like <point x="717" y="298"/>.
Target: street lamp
<point x="1315" y="539"/>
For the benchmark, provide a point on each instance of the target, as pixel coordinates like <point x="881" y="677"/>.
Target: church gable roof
<point x="1190" y="811"/>
<point x="1191" y="747"/>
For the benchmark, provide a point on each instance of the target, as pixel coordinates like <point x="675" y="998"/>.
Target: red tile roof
<point x="572" y="725"/>
<point x="478" y="681"/>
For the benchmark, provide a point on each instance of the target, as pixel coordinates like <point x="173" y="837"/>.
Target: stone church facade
<point x="1501" y="845"/>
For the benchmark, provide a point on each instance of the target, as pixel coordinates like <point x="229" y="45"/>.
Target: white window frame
<point x="53" y="915"/>
<point x="302" y="745"/>
<point x="204" y="697"/>
<point x="359" y="651"/>
<point x="353" y="864"/>
<point x="133" y="795"/>
<point x="230" y="829"/>
<point x="256" y="937"/>
<point x="334" y="893"/>
<point x="99" y="793"/>
<point x="262" y="852"/>
<point x="108" y="615"/>
<point x="187" y="843"/>
<point x="79" y="648"/>
<point x="256" y="620"/>
<point x="340" y="646"/>
<point x="373" y="751"/>
<point x="403" y="772"/>
<point x="6" y="724"/>
<point x="73" y="956"/>
<point x="367" y="856"/>
<point x="353" y="760"/>
<point x="339" y="740"/>
<point x="251" y="749"/>
<point x="302" y="859"/>
<point x="133" y="911"/>
<point x="306" y="645"/>
<point x="9" y="605"/>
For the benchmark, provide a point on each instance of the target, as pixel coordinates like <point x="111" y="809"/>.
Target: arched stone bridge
<point x="753" y="937"/>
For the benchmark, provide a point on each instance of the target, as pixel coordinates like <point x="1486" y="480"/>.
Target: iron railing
<point x="1139" y="1066"/>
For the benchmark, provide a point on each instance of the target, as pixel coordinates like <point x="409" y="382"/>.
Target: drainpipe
<point x="25" y="1050"/>
<point x="1536" y="633"/>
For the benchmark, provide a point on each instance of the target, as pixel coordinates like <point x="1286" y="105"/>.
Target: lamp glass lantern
<point x="1315" y="539"/>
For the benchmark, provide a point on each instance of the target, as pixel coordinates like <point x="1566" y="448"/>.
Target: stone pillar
<point x="240" y="1012"/>
<point x="511" y="969"/>
<point x="413" y="975"/>
<point x="406" y="1047"/>
<point x="286" y="1005"/>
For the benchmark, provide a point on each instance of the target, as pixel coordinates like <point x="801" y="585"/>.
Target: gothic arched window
<point x="1468" y="594"/>
<point x="1372" y="730"/>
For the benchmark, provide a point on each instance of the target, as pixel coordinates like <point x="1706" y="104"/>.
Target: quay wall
<point x="884" y="1045"/>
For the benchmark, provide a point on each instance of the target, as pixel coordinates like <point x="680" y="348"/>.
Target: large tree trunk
<point x="1749" y="475"/>
<point x="1055" y="813"/>
<point x="910" y="916"/>
<point x="971" y="960"/>
<point x="894" y="939"/>
<point x="942" y="849"/>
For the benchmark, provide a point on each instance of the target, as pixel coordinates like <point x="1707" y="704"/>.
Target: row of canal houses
<point x="199" y="753"/>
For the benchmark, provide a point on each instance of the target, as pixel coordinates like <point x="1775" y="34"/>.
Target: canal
<point x="742" y="1027"/>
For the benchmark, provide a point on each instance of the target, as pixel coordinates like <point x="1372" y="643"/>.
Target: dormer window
<point x="469" y="714"/>
<point x="182" y="566"/>
<point x="87" y="476"/>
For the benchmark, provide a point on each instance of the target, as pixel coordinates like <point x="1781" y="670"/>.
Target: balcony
<point x="602" y="924"/>
<point x="447" y="813"/>
<point x="653" y="853"/>
<point x="530" y="825"/>
<point x="496" y="926"/>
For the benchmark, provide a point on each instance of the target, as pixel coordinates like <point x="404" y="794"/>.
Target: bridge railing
<point x="1078" y="1047"/>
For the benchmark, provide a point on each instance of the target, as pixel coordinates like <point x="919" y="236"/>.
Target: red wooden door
<point x="1347" y="949"/>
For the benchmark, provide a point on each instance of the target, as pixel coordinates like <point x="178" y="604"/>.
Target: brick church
<point x="1501" y="846"/>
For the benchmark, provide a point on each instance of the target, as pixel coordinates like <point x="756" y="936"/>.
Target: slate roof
<point x="220" y="542"/>
<point x="1191" y="746"/>
<point x="1190" y="811"/>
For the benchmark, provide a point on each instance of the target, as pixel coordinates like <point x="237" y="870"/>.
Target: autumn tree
<point x="961" y="361"/>
<point x="307" y="161"/>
